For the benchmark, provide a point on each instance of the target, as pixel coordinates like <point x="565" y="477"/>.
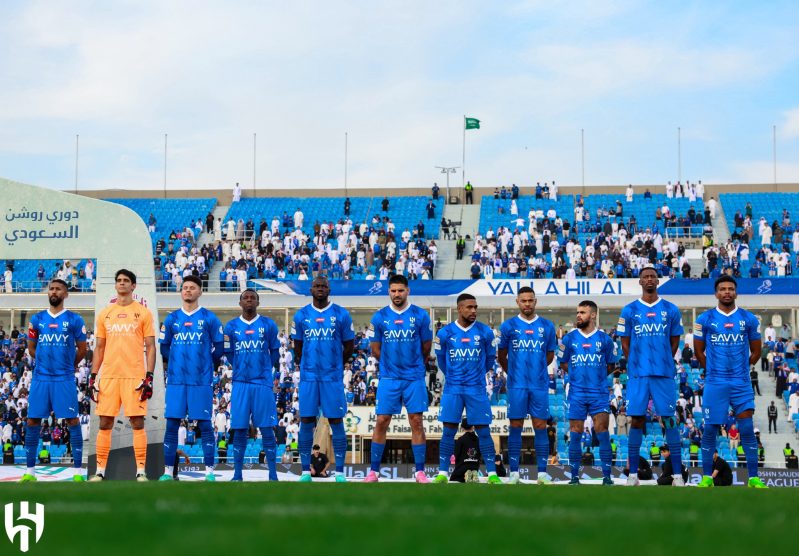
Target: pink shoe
<point x="421" y="477"/>
<point x="371" y="477"/>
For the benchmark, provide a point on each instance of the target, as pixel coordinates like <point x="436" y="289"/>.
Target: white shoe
<point x="513" y="479"/>
<point x="544" y="478"/>
<point x="677" y="481"/>
<point x="142" y="478"/>
<point x="632" y="481"/>
<point x="96" y="478"/>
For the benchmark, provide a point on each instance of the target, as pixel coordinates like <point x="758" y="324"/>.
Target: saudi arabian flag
<point x="472" y="123"/>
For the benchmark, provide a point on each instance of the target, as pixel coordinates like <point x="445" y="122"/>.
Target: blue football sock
<point x="487" y="449"/>
<point x="419" y="454"/>
<point x="339" y="445"/>
<point x="515" y="447"/>
<point x="749" y="442"/>
<point x="207" y="436"/>
<point x="171" y="441"/>
<point x="575" y="452"/>
<point x="32" y="433"/>
<point x="634" y="449"/>
<point x="541" y="449"/>
<point x="605" y="453"/>
<point x="76" y="441"/>
<point x="270" y="449"/>
<point x="239" y="449"/>
<point x="708" y="447"/>
<point x="673" y="440"/>
<point x="305" y="444"/>
<point x="446" y="448"/>
<point x="377" y="455"/>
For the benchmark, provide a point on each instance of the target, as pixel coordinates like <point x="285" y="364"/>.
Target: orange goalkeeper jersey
<point x="124" y="330"/>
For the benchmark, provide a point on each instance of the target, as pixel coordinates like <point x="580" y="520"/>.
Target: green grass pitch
<point x="404" y="519"/>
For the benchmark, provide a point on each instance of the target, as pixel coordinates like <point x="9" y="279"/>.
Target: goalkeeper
<point x="124" y="359"/>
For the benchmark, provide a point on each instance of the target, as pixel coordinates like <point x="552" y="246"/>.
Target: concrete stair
<point x="205" y="238"/>
<point x="721" y="232"/>
<point x="772" y="443"/>
<point x="448" y="267"/>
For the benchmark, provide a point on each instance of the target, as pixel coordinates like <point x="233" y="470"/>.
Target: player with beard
<point x="57" y="342"/>
<point x="588" y="355"/>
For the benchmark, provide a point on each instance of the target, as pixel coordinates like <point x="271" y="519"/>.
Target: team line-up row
<point x="192" y="342"/>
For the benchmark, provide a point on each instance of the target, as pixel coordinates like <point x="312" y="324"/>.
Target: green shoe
<point x="305" y="478"/>
<point x="209" y="478"/>
<point x="756" y="482"/>
<point x="78" y="479"/>
<point x="340" y="478"/>
<point x="607" y="481"/>
<point x="28" y="478"/>
<point x="494" y="480"/>
<point x="441" y="479"/>
<point x="706" y="482"/>
<point x="166" y="477"/>
<point x="574" y="480"/>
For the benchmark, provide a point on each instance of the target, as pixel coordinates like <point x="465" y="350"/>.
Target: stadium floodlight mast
<point x="448" y="170"/>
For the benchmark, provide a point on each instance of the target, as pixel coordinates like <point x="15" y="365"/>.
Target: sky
<point x="544" y="78"/>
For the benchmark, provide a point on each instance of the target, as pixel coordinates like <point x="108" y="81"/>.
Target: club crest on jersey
<point x="65" y="326"/>
<point x="477" y="338"/>
<point x="200" y="324"/>
<point x="598" y="345"/>
<point x="333" y="321"/>
<point x="742" y="323"/>
<point x="412" y="320"/>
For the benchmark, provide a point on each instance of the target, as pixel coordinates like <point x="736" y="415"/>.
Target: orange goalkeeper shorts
<point x="120" y="392"/>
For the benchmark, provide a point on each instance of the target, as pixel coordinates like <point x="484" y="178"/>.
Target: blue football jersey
<point x="252" y="347"/>
<point x="465" y="355"/>
<point x="528" y="343"/>
<point x="726" y="340"/>
<point x="650" y="328"/>
<point x="56" y="337"/>
<point x="588" y="357"/>
<point x="401" y="335"/>
<point x="190" y="339"/>
<point x="322" y="333"/>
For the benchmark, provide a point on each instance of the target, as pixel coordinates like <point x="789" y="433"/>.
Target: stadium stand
<point x="32" y="275"/>
<point x="593" y="237"/>
<point x="352" y="238"/>
<point x="170" y="216"/>
<point x="763" y="240"/>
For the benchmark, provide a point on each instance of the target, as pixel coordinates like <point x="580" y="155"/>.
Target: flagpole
<point x="77" y="154"/>
<point x="463" y="170"/>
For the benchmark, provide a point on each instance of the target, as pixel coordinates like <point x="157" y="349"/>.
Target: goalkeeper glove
<point x="93" y="389"/>
<point x="146" y="387"/>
